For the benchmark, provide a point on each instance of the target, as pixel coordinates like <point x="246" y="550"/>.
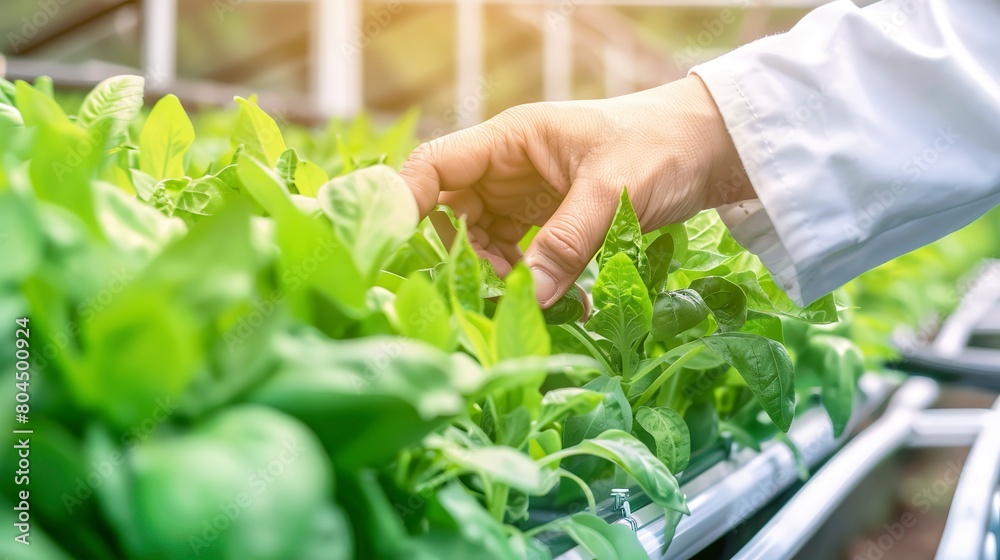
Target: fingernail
<point x="545" y="286"/>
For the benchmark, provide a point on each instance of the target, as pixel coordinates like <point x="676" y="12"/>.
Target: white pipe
<point x="557" y="44"/>
<point x="159" y="21"/>
<point x="469" y="62"/>
<point x="340" y="40"/>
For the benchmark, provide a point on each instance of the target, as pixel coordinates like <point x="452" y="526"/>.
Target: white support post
<point x="469" y="62"/>
<point x="337" y="86"/>
<point x="159" y="21"/>
<point x="557" y="41"/>
<point x="619" y="71"/>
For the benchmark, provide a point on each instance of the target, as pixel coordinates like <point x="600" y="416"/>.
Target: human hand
<point x="562" y="166"/>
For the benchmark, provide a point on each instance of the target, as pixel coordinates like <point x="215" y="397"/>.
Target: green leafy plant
<point x="232" y="317"/>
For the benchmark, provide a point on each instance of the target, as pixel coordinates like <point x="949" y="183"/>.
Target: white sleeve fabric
<point x="866" y="133"/>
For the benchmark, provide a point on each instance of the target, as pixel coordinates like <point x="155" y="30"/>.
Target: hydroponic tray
<point x="729" y="492"/>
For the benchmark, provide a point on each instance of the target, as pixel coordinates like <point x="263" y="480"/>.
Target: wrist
<point x="726" y="179"/>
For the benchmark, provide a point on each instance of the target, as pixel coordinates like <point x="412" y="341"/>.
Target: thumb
<point x="448" y="163"/>
<point x="567" y="242"/>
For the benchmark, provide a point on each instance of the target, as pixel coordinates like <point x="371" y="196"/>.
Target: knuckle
<point x="422" y="155"/>
<point x="519" y="117"/>
<point x="562" y="244"/>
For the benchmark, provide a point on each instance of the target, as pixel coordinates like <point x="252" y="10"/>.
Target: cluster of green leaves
<point x="224" y="325"/>
<point x="916" y="291"/>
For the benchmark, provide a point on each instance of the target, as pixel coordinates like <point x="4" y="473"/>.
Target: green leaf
<point x="60" y="173"/>
<point x="623" y="312"/>
<point x="37" y="108"/>
<point x="707" y="232"/>
<point x="726" y="300"/>
<point x="520" y="329"/>
<point x="372" y="212"/>
<point x="476" y="333"/>
<point x="204" y="196"/>
<point x="311" y="254"/>
<point x="174" y="494"/>
<point x="703" y="423"/>
<point x="600" y="539"/>
<point x="764" y="295"/>
<point x="459" y="277"/>
<point x="491" y="286"/>
<point x="474" y="523"/>
<point x="140" y="330"/>
<point x="309" y="177"/>
<point x="570" y="308"/>
<point x="613" y="412"/>
<point x="258" y="133"/>
<point x="567" y="400"/>
<point x="117" y="99"/>
<point x="703" y="261"/>
<point x="632" y="456"/>
<point x="165" y="140"/>
<point x="669" y="433"/>
<point x="21" y="236"/>
<point x="288" y="163"/>
<point x="840" y="364"/>
<point x="524" y="547"/>
<point x="502" y="464"/>
<point x="660" y="254"/>
<point x="766" y="368"/>
<point x="368" y="398"/>
<point x="8" y="92"/>
<point x="675" y="312"/>
<point x="423" y="314"/>
<point x="764" y="325"/>
<point x="625" y="237"/>
<point x="10" y="117"/>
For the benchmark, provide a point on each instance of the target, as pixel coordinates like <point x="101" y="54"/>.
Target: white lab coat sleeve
<point x="866" y="133"/>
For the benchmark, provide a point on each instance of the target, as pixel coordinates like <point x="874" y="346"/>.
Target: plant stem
<point x="674" y="368"/>
<point x="655" y="362"/>
<point x="436" y="481"/>
<point x="498" y="502"/>
<point x="581" y="335"/>
<point x="591" y="502"/>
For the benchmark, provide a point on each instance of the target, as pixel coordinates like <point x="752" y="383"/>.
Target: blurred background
<point x="458" y="61"/>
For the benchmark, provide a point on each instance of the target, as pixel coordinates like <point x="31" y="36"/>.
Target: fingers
<point x="452" y="162"/>
<point x="570" y="239"/>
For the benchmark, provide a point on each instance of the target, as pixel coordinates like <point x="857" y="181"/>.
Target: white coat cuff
<point x="749" y="221"/>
